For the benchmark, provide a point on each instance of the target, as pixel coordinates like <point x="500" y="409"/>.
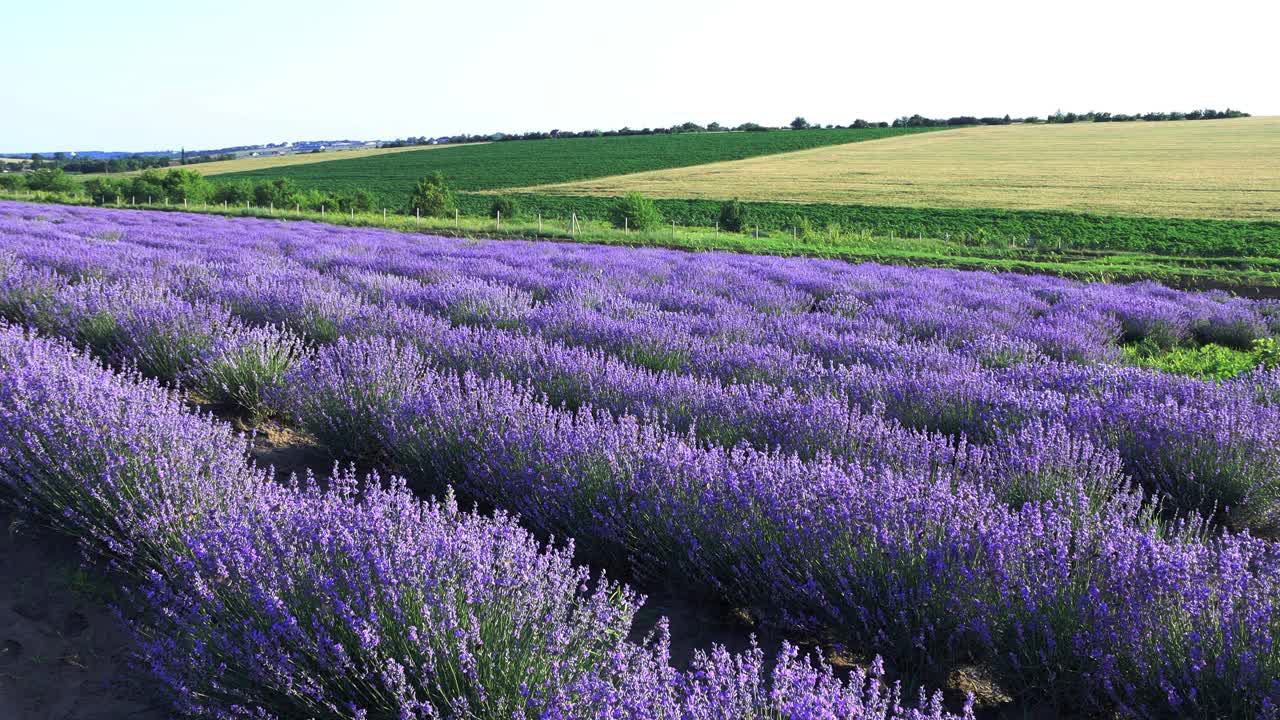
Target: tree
<point x="187" y="185"/>
<point x="51" y="180"/>
<point x="11" y="181"/>
<point x="799" y="124"/>
<point x="636" y="212"/>
<point x="359" y="200"/>
<point x="432" y="196"/>
<point x="735" y="216"/>
<point x="280" y="193"/>
<point x="103" y="190"/>
<point x="147" y="187"/>
<point x="233" y="193"/>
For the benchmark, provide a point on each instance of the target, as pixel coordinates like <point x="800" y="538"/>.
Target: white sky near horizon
<point x="148" y="75"/>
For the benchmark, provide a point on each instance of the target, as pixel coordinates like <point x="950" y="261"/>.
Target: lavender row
<point x="1204" y="447"/>
<point x="254" y="599"/>
<point x="784" y="303"/>
<point x="131" y="322"/>
<point x="1092" y="599"/>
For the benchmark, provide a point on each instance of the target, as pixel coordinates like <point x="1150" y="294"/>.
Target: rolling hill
<point x="390" y="176"/>
<point x="1220" y="169"/>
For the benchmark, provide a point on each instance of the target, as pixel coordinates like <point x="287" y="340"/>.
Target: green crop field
<point x="971" y="227"/>
<point x="390" y="177"/>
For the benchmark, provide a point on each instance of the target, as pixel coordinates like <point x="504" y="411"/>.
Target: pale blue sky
<point x="147" y="75"/>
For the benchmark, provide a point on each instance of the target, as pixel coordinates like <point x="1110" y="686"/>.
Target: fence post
<point x="297" y="207"/>
<point x="457" y="220"/>
<point x="757" y="232"/>
<point x="673" y="229"/>
<point x="499" y="226"/>
<point x="626" y="224"/>
<point x="417" y="213"/>
<point x="539" y="223"/>
<point x="384" y="215"/>
<point x="321" y="209"/>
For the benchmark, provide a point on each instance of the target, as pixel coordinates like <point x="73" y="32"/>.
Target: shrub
<point x="1267" y="353"/>
<point x="245" y="368"/>
<point x="1237" y="330"/>
<point x="503" y="205"/>
<point x="12" y="181"/>
<point x="51" y="180"/>
<point x="1208" y="361"/>
<point x="734" y="216"/>
<point x="433" y="197"/>
<point x="106" y="190"/>
<point x="342" y="393"/>
<point x="280" y="193"/>
<point x="189" y="185"/>
<point x="233" y="193"/>
<point x="636" y="212"/>
<point x="356" y="200"/>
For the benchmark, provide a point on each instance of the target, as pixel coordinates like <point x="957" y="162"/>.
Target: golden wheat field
<point x="1199" y="169"/>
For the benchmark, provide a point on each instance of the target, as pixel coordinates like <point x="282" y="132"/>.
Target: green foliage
<point x="1267" y="353"/>
<point x="978" y="228"/>
<point x="800" y="124"/>
<point x="234" y="194"/>
<point x="433" y="197"/>
<point x="1208" y="362"/>
<point x="102" y="190"/>
<point x="244" y="371"/>
<point x="355" y="201"/>
<point x="186" y="185"/>
<point x="52" y="180"/>
<point x="12" y="181"/>
<point x="175" y="185"/>
<point x="503" y="206"/>
<point x="734" y="216"/>
<point x="636" y="212"/>
<point x="147" y="187"/>
<point x="279" y="193"/>
<point x="392" y="177"/>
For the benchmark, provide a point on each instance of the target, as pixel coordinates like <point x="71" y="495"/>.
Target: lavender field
<point x="922" y="469"/>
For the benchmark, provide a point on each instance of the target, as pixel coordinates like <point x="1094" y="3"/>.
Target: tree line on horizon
<point x="800" y="123"/>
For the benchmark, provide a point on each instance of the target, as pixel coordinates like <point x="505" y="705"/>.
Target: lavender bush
<point x="246" y="368"/>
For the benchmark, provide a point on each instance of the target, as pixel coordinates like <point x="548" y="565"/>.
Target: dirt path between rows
<point x="63" y="652"/>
